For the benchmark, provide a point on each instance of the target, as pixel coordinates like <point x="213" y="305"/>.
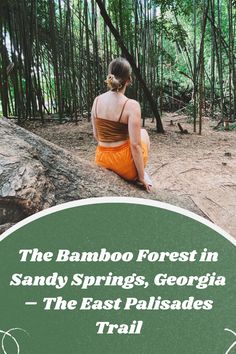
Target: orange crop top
<point x="109" y="131"/>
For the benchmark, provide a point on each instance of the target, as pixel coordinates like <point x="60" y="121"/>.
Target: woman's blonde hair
<point x="119" y="72"/>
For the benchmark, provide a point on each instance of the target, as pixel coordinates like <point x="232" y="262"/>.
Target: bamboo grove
<point x="54" y="56"/>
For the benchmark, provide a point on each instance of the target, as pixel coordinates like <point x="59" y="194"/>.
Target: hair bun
<point x="113" y="83"/>
<point x="109" y="80"/>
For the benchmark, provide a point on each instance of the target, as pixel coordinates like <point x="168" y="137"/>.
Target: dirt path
<point x="200" y="167"/>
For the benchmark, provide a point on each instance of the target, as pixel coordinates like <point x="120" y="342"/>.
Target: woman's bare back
<point x="109" y="106"/>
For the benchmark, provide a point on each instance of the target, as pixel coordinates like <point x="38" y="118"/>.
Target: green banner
<point x="117" y="275"/>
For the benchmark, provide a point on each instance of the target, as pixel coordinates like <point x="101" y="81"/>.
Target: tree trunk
<point x="36" y="174"/>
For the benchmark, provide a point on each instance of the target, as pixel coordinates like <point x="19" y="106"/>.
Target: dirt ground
<point x="202" y="167"/>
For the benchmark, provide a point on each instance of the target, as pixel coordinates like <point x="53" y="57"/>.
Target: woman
<point x="123" y="146"/>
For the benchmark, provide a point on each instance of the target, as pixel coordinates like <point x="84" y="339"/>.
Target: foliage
<point x="61" y="48"/>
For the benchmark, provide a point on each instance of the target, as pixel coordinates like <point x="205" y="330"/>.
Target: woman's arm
<point x="93" y="120"/>
<point x="134" y="126"/>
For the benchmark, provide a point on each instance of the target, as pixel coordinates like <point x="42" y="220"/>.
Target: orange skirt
<point x="119" y="159"/>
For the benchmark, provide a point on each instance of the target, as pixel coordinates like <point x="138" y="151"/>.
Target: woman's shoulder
<point x="104" y="94"/>
<point x="100" y="97"/>
<point x="97" y="97"/>
<point x="133" y="104"/>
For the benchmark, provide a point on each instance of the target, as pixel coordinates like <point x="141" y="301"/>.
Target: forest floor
<point x="202" y="167"/>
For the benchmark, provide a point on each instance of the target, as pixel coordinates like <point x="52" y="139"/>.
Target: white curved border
<point x="127" y="200"/>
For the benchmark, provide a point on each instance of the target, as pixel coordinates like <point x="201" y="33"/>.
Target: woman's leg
<point x="145" y="138"/>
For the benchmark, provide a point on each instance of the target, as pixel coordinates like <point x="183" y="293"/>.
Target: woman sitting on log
<point x="123" y="146"/>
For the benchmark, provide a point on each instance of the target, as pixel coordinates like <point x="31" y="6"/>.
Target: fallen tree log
<point x="36" y="174"/>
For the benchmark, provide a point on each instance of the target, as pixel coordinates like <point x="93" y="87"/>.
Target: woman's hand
<point x="146" y="185"/>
